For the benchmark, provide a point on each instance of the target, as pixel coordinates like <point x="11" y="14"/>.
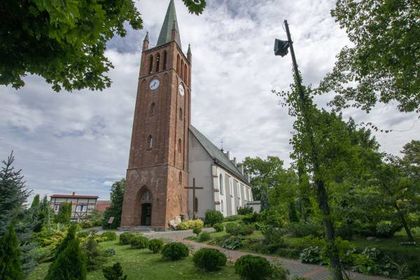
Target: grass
<point x="142" y="264"/>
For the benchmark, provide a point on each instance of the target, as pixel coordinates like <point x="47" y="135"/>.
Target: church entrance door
<point x="146" y="214"/>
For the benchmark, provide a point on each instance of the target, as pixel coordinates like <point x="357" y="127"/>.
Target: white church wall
<point x="200" y="168"/>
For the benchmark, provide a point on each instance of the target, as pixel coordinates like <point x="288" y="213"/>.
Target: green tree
<point x="10" y="265"/>
<point x="114" y="272"/>
<point x="69" y="265"/>
<point x="71" y="235"/>
<point x="64" y="41"/>
<point x="64" y="213"/>
<point x="13" y="193"/>
<point x="383" y="63"/>
<point x="115" y="210"/>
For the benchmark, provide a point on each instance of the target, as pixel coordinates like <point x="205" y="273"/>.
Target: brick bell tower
<point x="157" y="171"/>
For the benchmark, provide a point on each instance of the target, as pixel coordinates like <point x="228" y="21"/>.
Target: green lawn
<point x="141" y="264"/>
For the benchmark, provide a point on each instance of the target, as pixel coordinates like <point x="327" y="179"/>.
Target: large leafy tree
<point x="115" y="210"/>
<point x="383" y="62"/>
<point x="13" y="193"/>
<point x="64" y="41"/>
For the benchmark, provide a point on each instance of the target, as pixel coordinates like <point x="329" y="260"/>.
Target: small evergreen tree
<point x="64" y="213"/>
<point x="10" y="265"/>
<point x="69" y="265"/>
<point x="71" y="235"/>
<point x="13" y="193"/>
<point x="114" y="272"/>
<point x="94" y="257"/>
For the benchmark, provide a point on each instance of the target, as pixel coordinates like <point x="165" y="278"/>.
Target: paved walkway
<point x="296" y="268"/>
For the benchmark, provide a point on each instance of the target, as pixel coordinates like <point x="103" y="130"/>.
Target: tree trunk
<point x="404" y="222"/>
<point x="329" y="230"/>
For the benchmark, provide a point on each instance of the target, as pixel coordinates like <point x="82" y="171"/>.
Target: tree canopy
<point x="64" y="41"/>
<point x="383" y="62"/>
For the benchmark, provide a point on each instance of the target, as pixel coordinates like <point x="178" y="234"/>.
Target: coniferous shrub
<point x="114" y="272"/>
<point x="209" y="259"/>
<point x="69" y="265"/>
<point x="139" y="242"/>
<point x="64" y="213"/>
<point x="204" y="236"/>
<point x="125" y="238"/>
<point x="155" y="245"/>
<point x="213" y="217"/>
<point x="175" y="251"/>
<point x="251" y="267"/>
<point x="71" y="235"/>
<point x="218" y="227"/>
<point x="94" y="257"/>
<point x="10" y="264"/>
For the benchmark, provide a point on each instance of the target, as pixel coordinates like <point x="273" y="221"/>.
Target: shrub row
<point x="190" y="224"/>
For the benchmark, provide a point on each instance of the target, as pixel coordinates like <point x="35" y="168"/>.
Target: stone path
<point x="296" y="268"/>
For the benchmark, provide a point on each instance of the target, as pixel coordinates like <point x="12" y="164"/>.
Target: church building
<point x="174" y="171"/>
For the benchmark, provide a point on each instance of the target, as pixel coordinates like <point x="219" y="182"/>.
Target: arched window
<point x="152" y="109"/>
<point x="178" y="64"/>
<point x="179" y="145"/>
<point x="221" y="184"/>
<point x="185" y="73"/>
<point x="182" y="69"/>
<point x="165" y="59"/>
<point x="146" y="197"/>
<point x="180" y="114"/>
<point x="150" y="142"/>
<point x="150" y="63"/>
<point x="180" y="177"/>
<point x="157" y="62"/>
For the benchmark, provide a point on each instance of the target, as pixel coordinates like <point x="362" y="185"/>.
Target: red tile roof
<point x="74" y="196"/>
<point x="102" y="205"/>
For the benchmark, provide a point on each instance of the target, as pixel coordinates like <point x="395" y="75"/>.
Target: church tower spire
<point x="157" y="174"/>
<point x="170" y="30"/>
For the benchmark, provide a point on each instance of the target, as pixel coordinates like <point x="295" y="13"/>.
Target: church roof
<point x="218" y="156"/>
<point x="169" y="23"/>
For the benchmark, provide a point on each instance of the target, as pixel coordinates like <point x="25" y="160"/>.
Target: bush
<point x="245" y="210"/>
<point x="139" y="242"/>
<point x="213" y="217"/>
<point x="272" y="218"/>
<point x="303" y="229"/>
<point x="94" y="257"/>
<point x="197" y="230"/>
<point x="109" y="252"/>
<point x="218" y="227"/>
<point x="250" y="218"/>
<point x="209" y="259"/>
<point x="239" y="229"/>
<point x="204" y="236"/>
<point x="190" y="224"/>
<point x="109" y="236"/>
<point x="233" y="218"/>
<point x="232" y="243"/>
<point x="385" y="229"/>
<point x="83" y="234"/>
<point x="273" y="238"/>
<point x="311" y="254"/>
<point x="289" y="253"/>
<point x="155" y="245"/>
<point x="253" y="268"/>
<point x="279" y="273"/>
<point x="125" y="238"/>
<point x="175" y="251"/>
<point x="114" y="272"/>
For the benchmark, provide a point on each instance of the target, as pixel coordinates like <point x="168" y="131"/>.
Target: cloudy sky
<point x="79" y="141"/>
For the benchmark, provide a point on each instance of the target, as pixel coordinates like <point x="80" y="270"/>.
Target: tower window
<point x="178" y="64"/>
<point x="150" y="63"/>
<point x="221" y="184"/>
<point x="180" y="177"/>
<point x="150" y="142"/>
<point x="179" y="145"/>
<point x="152" y="109"/>
<point x="185" y="73"/>
<point x="182" y="69"/>
<point x="157" y="62"/>
<point x="165" y="59"/>
<point x="180" y="114"/>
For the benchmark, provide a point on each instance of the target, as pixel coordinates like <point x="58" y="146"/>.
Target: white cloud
<point x="80" y="141"/>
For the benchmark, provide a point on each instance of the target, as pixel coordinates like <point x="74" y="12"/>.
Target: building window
<point x="178" y="64"/>
<point x="180" y="114"/>
<point x="157" y="62"/>
<point x="165" y="59"/>
<point x="150" y="142"/>
<point x="150" y="63"/>
<point x="179" y="145"/>
<point x="180" y="177"/>
<point x="185" y="74"/>
<point x="152" y="109"/>
<point x="221" y="206"/>
<point x="221" y="183"/>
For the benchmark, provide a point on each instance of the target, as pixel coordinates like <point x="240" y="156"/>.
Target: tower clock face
<point x="154" y="84"/>
<point x="181" y="90"/>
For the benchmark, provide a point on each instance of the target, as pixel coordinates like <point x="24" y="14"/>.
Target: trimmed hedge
<point x="155" y="245"/>
<point x="219" y="227"/>
<point x="204" y="236"/>
<point x="251" y="267"/>
<point x="109" y="235"/>
<point x="175" y="251"/>
<point x="139" y="242"/>
<point x="209" y="259"/>
<point x="213" y="217"/>
<point x="125" y="238"/>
